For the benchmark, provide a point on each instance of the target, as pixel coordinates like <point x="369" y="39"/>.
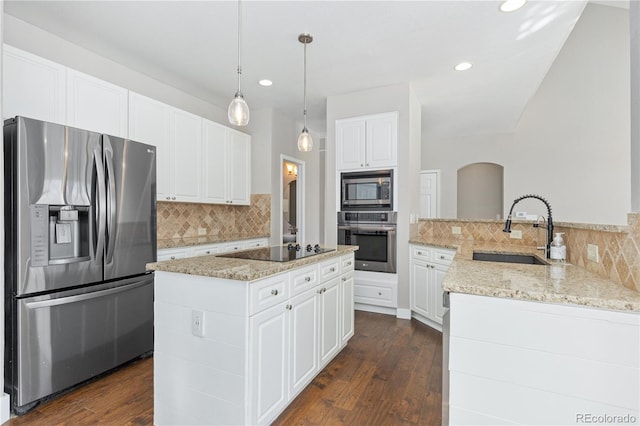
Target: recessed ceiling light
<point x="463" y="66"/>
<point x="512" y="5"/>
<point x="265" y="83"/>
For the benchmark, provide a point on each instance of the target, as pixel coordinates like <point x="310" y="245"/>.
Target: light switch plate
<point x="202" y="231"/>
<point x="516" y="234"/>
<point x="592" y="253"/>
<point x="197" y="323"/>
<point x="456" y="230"/>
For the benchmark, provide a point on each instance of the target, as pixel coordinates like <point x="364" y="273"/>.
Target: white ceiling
<point x="357" y="45"/>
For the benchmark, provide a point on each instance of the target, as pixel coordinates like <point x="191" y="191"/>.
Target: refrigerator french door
<point x="80" y="226"/>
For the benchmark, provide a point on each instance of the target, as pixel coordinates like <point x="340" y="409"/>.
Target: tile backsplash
<point x="183" y="220"/>
<point x="618" y="246"/>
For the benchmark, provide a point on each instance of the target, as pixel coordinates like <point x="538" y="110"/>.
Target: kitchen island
<point x="236" y="340"/>
<point x="537" y="344"/>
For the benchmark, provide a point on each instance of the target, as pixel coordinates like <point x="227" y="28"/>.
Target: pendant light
<point x="238" y="112"/>
<point x="305" y="143"/>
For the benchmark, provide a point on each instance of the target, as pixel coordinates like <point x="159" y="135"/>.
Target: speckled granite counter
<point x="206" y="239"/>
<point x="555" y="283"/>
<point x="240" y="269"/>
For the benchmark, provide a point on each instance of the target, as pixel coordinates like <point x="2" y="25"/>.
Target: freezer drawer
<point x="66" y="338"/>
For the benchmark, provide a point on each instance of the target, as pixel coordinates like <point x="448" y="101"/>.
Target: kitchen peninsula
<point x="237" y="339"/>
<point x="536" y="344"/>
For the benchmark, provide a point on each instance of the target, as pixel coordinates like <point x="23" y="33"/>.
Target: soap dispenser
<point x="558" y="250"/>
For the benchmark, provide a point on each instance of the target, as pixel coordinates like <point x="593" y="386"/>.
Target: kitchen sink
<point x="529" y="259"/>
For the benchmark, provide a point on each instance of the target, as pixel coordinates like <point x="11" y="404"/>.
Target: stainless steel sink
<point x="529" y="259"/>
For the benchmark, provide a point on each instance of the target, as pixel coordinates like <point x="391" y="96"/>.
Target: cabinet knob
<point x="441" y="257"/>
<point x="307" y="279"/>
<point x="332" y="269"/>
<point x="173" y="198"/>
<point x="379" y="293"/>
<point x="361" y="165"/>
<point x="367" y="164"/>
<point x="344" y="278"/>
<point x="274" y="292"/>
<point x="319" y="291"/>
<point x="208" y="251"/>
<point x="433" y="266"/>
<point x="420" y="253"/>
<point x="289" y="307"/>
<point x="349" y="263"/>
<point x="173" y="258"/>
<point x="168" y="198"/>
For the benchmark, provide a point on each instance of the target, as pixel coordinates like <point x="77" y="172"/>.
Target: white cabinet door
<point x="186" y="136"/>
<point x="350" y="143"/>
<point x="226" y="165"/>
<point x="32" y="86"/>
<point x="439" y="272"/>
<point x="96" y="105"/>
<point x="149" y="123"/>
<point x="269" y="363"/>
<point x="214" y="167"/>
<point x="329" y="320"/>
<point x="420" y="275"/>
<point x="239" y="161"/>
<point x="303" y="326"/>
<point x="347" y="305"/>
<point x="382" y="140"/>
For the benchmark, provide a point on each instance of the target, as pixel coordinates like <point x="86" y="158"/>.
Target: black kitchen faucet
<point x="507" y="225"/>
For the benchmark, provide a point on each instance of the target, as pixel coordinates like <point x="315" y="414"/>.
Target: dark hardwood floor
<point x="390" y="373"/>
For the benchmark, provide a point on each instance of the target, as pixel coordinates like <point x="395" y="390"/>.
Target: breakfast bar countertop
<point x="241" y="269"/>
<point x="554" y="283"/>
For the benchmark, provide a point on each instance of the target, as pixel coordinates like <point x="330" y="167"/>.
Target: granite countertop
<point x="205" y="239"/>
<point x="240" y="269"/>
<point x="554" y="283"/>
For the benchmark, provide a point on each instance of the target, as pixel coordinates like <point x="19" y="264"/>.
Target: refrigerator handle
<point x="99" y="204"/>
<point x="112" y="227"/>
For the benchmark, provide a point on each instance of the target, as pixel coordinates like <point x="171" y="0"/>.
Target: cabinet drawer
<point x="444" y="257"/>
<point x="232" y="247"/>
<point x="367" y="293"/>
<point x="347" y="263"/>
<point x="329" y="269"/>
<point x="266" y="293"/>
<point x="172" y="254"/>
<point x="255" y="243"/>
<point x="303" y="279"/>
<point x="421" y="253"/>
<point x="206" y="250"/>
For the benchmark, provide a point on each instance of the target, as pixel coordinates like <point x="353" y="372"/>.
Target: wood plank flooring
<point x="390" y="373"/>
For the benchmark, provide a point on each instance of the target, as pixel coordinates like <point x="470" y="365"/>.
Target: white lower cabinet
<point x="207" y="249"/>
<point x="428" y="267"/>
<point x="263" y="341"/>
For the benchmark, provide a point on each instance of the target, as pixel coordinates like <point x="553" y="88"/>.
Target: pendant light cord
<point x="305" y="85"/>
<point x="239" y="42"/>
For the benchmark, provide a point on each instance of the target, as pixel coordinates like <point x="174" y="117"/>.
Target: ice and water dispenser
<point x="59" y="234"/>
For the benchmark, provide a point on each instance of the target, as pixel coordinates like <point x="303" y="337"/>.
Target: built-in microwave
<point x="370" y="190"/>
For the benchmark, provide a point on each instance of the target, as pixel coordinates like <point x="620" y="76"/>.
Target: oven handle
<point x="389" y="229"/>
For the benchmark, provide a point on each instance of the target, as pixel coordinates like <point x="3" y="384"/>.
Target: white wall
<point x="47" y="45"/>
<point x="571" y="145"/>
<point x="384" y="99"/>
<point x="4" y="398"/>
<point x="634" y="12"/>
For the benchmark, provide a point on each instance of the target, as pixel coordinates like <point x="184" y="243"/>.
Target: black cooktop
<point x="278" y="253"/>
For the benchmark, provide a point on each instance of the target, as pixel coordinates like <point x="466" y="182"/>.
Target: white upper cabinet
<point x="149" y="123"/>
<point x="226" y="165"/>
<point x="96" y="105"/>
<point x="185" y="143"/>
<point x="32" y="86"/>
<point x="367" y="142"/>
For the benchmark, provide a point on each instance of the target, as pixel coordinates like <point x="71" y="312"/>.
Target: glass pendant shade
<point x="305" y="143"/>
<point x="238" y="112"/>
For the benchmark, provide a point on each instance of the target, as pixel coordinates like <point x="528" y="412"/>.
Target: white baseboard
<point x="375" y="309"/>
<point x="403" y="313"/>
<point x="426" y="321"/>
<point x="5" y="412"/>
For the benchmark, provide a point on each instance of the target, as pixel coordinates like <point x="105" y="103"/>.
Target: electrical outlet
<point x="197" y="323"/>
<point x="456" y="230"/>
<point x="592" y="253"/>
<point x="516" y="234"/>
<point x="202" y="231"/>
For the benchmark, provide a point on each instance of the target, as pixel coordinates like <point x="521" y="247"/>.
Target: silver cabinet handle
<point x="307" y="279"/>
<point x="289" y="307"/>
<point x="274" y="292"/>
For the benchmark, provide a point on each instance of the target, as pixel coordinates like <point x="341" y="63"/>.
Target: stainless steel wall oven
<point x="375" y="233"/>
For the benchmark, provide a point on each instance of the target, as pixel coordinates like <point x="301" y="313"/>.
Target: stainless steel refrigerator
<point x="80" y="225"/>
